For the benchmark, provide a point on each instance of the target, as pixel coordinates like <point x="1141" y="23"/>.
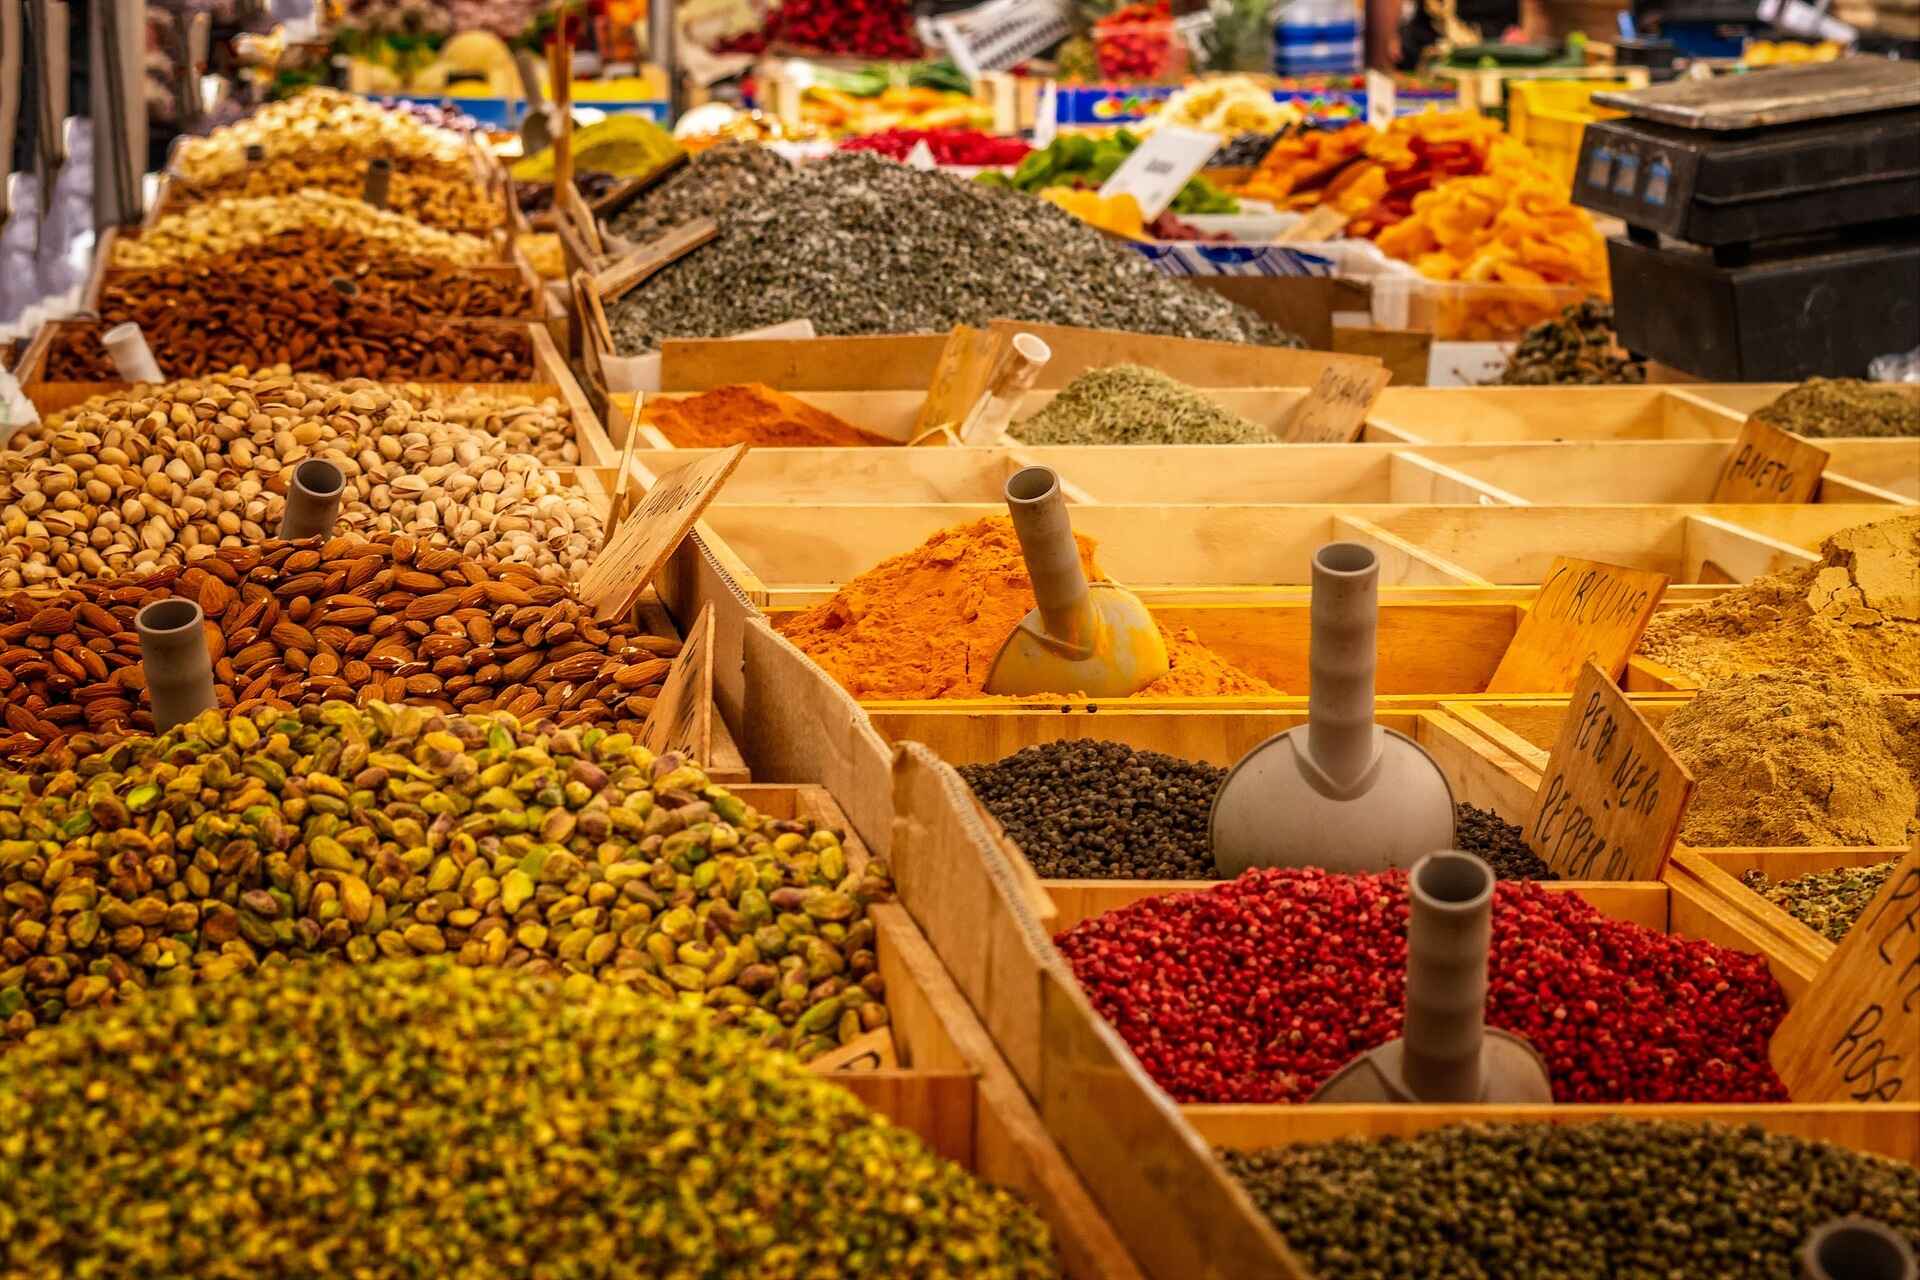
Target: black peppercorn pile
<point x="1084" y="809"/>
<point x="1604" y="1201"/>
<point x="1500" y="843"/>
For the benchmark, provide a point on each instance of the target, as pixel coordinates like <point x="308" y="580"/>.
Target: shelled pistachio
<point x="417" y="1119"/>
<point x="319" y="119"/>
<point x="201" y="230"/>
<point x="240" y="841"/>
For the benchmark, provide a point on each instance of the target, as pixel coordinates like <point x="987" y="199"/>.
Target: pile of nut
<point x="436" y="193"/>
<point x="159" y="476"/>
<point x="323" y="120"/>
<point x="320" y="330"/>
<point x="291" y="623"/>
<point x="199" y="230"/>
<point x="346" y="835"/>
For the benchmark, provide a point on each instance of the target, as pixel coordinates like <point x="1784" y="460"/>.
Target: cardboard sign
<point x="1322" y="222"/>
<point x="1160" y="166"/>
<point x="637" y="549"/>
<point x="966" y="359"/>
<point x="1585" y="611"/>
<point x="1337" y="407"/>
<point x="1767" y="464"/>
<point x="629" y="272"/>
<point x="1855" y="1035"/>
<point x="1610" y="801"/>
<point x="1381" y="99"/>
<point x="682" y="716"/>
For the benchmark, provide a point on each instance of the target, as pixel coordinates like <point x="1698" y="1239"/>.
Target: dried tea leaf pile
<point x="1822" y="407"/>
<point x="1131" y="404"/>
<point x="1604" y="1201"/>
<point x="417" y="1119"/>
<point x="1827" y="902"/>
<point x="237" y="842"/>
<point x="1577" y="348"/>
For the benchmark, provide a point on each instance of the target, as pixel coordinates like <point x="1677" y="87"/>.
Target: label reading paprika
<point x="1769" y="465"/>
<point x="1585" y="610"/>
<point x="637" y="549"/>
<point x="1610" y="801"/>
<point x="682" y="716"/>
<point x="1854" y="1036"/>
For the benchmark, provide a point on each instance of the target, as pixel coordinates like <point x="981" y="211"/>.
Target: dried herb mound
<point x="1577" y="348"/>
<point x="1822" y="407"/>
<point x="864" y="245"/>
<point x="419" y="1119"/>
<point x="1131" y="404"/>
<point x="1616" y="1198"/>
<point x="245" y="841"/>
<point x="1827" y="902"/>
<point x="1085" y="809"/>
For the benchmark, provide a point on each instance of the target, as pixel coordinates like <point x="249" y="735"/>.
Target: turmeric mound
<point x="751" y="413"/>
<point x="928" y="623"/>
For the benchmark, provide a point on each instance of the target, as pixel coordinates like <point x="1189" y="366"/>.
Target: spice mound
<point x="1785" y="758"/>
<point x="1576" y="348"/>
<point x="927" y="623"/>
<point x="419" y="1119"/>
<point x="1131" y="404"/>
<point x="1827" y="902"/>
<point x="1613" y="1198"/>
<point x="1285" y="975"/>
<point x="1856" y="613"/>
<point x="242" y="841"/>
<point x="714" y="184"/>
<point x="1501" y="844"/>
<point x="751" y="413"/>
<point x="1824" y="407"/>
<point x="348" y="619"/>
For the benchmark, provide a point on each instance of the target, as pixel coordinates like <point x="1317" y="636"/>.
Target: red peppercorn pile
<point x="949" y="146"/>
<point x="1260" y="989"/>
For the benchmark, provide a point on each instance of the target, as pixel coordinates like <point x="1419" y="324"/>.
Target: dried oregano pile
<point x="1131" y="404"/>
<point x="418" y="1119"/>
<point x="1823" y="407"/>
<point x="860" y="245"/>
<point x="1604" y="1201"/>
<point x="246" y="841"/>
<point x="1576" y="348"/>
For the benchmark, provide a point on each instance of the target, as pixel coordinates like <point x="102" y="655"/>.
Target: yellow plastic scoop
<point x="1095" y="639"/>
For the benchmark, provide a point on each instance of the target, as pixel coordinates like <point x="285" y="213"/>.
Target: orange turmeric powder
<point x="751" y="413"/>
<point x="928" y="623"/>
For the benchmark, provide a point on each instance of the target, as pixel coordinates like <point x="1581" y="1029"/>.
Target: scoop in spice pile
<point x="1827" y="902"/>
<point x="1786" y="758"/>
<point x="1595" y="1201"/>
<point x="755" y="414"/>
<point x="1130" y="404"/>
<point x="244" y="841"/>
<point x="1856" y="613"/>
<point x="927" y="623"/>
<point x="419" y="1119"/>
<point x="1823" y="407"/>
<point x="1284" y="975"/>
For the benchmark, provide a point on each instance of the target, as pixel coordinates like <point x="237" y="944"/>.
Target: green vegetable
<point x="1076" y="160"/>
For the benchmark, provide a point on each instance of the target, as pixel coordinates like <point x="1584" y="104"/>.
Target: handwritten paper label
<point x="1610" y="802"/>
<point x="1381" y="99"/>
<point x="637" y="549"/>
<point x="1585" y="611"/>
<point x="1337" y="407"/>
<point x="1769" y="465"/>
<point x="663" y="250"/>
<point x="1854" y="1036"/>
<point x="682" y="716"/>
<point x="1160" y="166"/>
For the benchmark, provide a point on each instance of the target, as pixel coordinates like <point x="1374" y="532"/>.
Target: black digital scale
<point x="1773" y="218"/>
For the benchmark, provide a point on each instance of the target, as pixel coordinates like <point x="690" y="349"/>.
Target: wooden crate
<point x="1433" y="415"/>
<point x="1718" y="873"/>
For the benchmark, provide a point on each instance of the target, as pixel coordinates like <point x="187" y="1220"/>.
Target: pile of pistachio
<point x="238" y="842"/>
<point x="417" y="1119"/>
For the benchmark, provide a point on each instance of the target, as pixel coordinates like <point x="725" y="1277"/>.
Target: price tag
<point x="1046" y="115"/>
<point x="1337" y="407"/>
<point x="1586" y="611"/>
<point x="1003" y="33"/>
<point x="637" y="549"/>
<point x="1381" y="99"/>
<point x="1769" y="465"/>
<point x="1160" y="166"/>
<point x="629" y="272"/>
<point x="682" y="716"/>
<point x="1322" y="222"/>
<point x="1609" y="804"/>
<point x="1854" y="1036"/>
<point x="921" y="157"/>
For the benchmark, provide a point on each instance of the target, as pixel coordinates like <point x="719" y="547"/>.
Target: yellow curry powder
<point x="928" y="623"/>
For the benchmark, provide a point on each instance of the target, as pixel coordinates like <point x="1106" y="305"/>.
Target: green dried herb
<point x="1604" y="1201"/>
<point x="1578" y="348"/>
<point x="1823" y="407"/>
<point x="1827" y="902"/>
<point x="1131" y="404"/>
<point x="414" y="1118"/>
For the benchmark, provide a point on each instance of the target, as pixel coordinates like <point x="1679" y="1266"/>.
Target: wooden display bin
<point x="1718" y="872"/>
<point x="1462" y="415"/>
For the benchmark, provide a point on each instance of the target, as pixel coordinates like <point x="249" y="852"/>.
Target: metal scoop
<point x="1094" y="638"/>
<point x="1339" y="792"/>
<point x="1856" y="1248"/>
<point x="1446" y="1052"/>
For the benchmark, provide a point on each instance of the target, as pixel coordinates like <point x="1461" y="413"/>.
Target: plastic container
<point x="1148" y="51"/>
<point x="1550" y="116"/>
<point x="1456" y="312"/>
<point x="1313" y="37"/>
